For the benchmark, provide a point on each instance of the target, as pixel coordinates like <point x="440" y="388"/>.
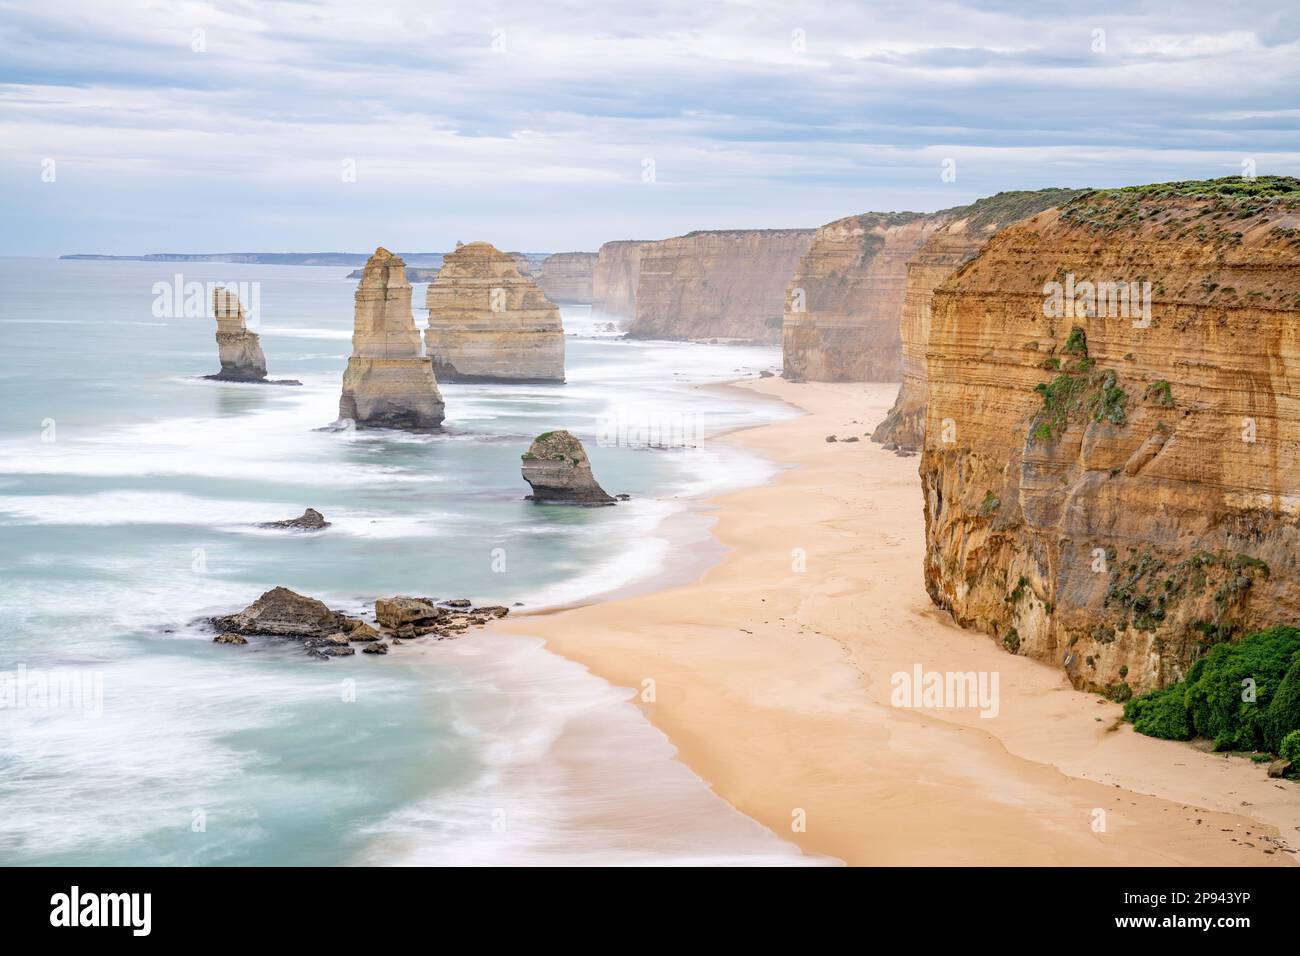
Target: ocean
<point x="130" y="493"/>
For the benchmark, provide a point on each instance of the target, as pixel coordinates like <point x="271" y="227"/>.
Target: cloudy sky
<point x="140" y="126"/>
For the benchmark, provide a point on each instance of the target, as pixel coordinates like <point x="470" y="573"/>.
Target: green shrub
<point x="1208" y="703"/>
<point x="1077" y="342"/>
<point x="1214" y="697"/>
<point x="1161" y="713"/>
<point x="1290" y="747"/>
<point x="1283" y="717"/>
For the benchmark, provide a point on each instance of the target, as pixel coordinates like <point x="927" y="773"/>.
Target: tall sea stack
<point x="239" y="350"/>
<point x="487" y="323"/>
<point x="388" y="382"/>
<point x="1112" y="437"/>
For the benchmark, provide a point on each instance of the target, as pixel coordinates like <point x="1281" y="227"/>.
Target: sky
<point x="140" y="126"/>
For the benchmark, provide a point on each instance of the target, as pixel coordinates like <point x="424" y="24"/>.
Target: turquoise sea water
<point x="129" y="493"/>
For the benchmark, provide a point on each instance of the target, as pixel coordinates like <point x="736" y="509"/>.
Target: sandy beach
<point x="771" y="674"/>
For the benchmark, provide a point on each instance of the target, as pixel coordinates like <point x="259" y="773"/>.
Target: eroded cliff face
<point x="567" y="277"/>
<point x="487" y="323"/>
<point x="962" y="233"/>
<point x="1110" y="473"/>
<point x="614" y="279"/>
<point x="238" y="349"/>
<point x="388" y="382"/>
<point x="841" y="311"/>
<point x="726" y="284"/>
<point x="523" y="263"/>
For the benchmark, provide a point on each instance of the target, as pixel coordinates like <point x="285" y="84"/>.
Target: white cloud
<point x="540" y="146"/>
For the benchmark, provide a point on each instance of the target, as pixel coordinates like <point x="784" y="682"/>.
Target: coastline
<point x="780" y="701"/>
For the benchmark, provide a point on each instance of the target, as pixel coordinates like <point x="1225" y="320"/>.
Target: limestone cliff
<point x="961" y="235"/>
<point x="487" y="323"/>
<point x="388" y="382"/>
<point x="567" y="277"/>
<point x="239" y="350"/>
<point x="523" y="263"/>
<point x="726" y="284"/>
<point x="614" y="279"/>
<point x="1110" y="471"/>
<point x="843" y="304"/>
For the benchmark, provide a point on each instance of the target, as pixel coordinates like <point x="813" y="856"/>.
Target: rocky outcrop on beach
<point x="961" y="234"/>
<point x="614" y="279"/>
<point x="556" y="467"/>
<point x="407" y="617"/>
<point x="388" y="382"/>
<point x="238" y="349"/>
<point x="1112" y="429"/>
<point x="566" y="277"/>
<point x="726" y="284"/>
<point x="309" y="520"/>
<point x="487" y="323"/>
<point x="281" y="612"/>
<point x="324" y="633"/>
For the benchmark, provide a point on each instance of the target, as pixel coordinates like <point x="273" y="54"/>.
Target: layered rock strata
<point x="388" y="382"/>
<point x="1113" y="428"/>
<point x="239" y="350"/>
<point x="961" y="234"/>
<point x="566" y="277"/>
<point x="727" y="284"/>
<point x="842" y="307"/>
<point x="556" y="467"/>
<point x="614" y="279"/>
<point x="523" y="263"/>
<point x="487" y="323"/>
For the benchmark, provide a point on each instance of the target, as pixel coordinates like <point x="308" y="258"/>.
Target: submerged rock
<point x="230" y="639"/>
<point x="489" y="322"/>
<point x="379" y="647"/>
<point x="557" y="469"/>
<point x="388" y="382"/>
<point x="309" y="520"/>
<point x="284" y="613"/>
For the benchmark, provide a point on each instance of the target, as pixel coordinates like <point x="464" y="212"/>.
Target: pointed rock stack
<point x="388" y="382"/>
<point x="239" y="349"/>
<point x="487" y="323"/>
